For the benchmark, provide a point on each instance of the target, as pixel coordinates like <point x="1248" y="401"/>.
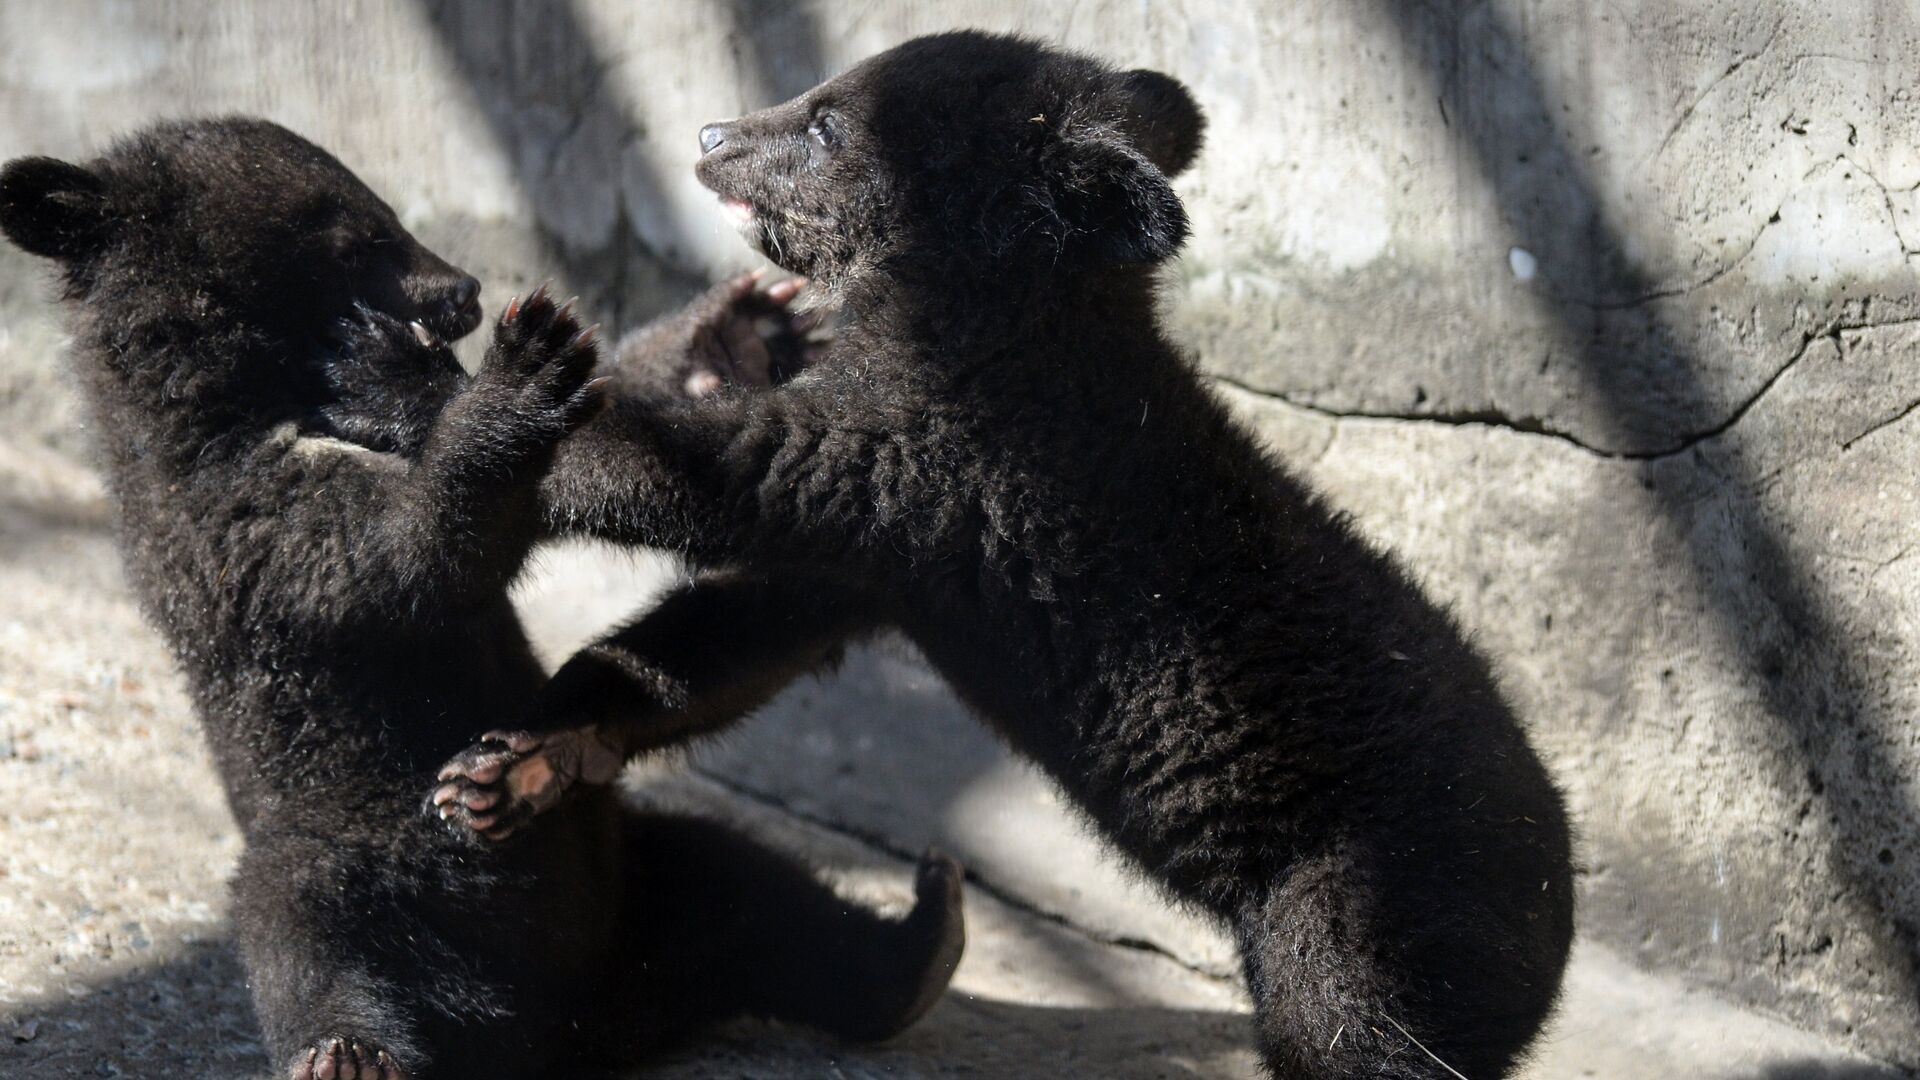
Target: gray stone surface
<point x="115" y="959"/>
<point x="1603" y="316"/>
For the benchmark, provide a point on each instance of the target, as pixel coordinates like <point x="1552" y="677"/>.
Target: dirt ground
<point x="115" y="958"/>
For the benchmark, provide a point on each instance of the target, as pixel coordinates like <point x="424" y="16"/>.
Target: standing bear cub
<point x="239" y="299"/>
<point x="1003" y="456"/>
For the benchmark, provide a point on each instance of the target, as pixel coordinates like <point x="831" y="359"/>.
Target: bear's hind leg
<point x="324" y="1011"/>
<point x="727" y="927"/>
<point x="1402" y="975"/>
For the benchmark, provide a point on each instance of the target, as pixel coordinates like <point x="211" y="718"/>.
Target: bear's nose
<point x="711" y="136"/>
<point x="465" y="293"/>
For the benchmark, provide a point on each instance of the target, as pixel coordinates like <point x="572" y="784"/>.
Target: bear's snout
<point x="461" y="309"/>
<point x="448" y="302"/>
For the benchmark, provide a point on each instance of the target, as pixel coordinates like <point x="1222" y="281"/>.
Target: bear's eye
<point x="355" y="245"/>
<point x="824" y="130"/>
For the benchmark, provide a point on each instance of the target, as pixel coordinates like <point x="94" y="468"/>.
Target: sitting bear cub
<point x="1003" y="456"/>
<point x="342" y="616"/>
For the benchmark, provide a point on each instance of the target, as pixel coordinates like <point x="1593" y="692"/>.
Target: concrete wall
<point x="1603" y="316"/>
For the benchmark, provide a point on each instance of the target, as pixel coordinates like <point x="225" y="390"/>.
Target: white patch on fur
<point x="320" y="446"/>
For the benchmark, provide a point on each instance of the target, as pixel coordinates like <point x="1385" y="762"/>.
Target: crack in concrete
<point x="1672" y="292"/>
<point x="1887" y="423"/>
<point x="1874" y="565"/>
<point x="885" y="844"/>
<point x="1898" y="557"/>
<point x="1887" y="193"/>
<point x="1487" y="417"/>
<point x="1494" y="417"/>
<point x="1686" y="114"/>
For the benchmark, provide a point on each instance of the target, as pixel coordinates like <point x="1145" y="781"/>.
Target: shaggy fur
<point x="342" y="615"/>
<point x="1004" y="457"/>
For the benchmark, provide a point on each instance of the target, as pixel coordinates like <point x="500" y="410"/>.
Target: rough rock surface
<point x="1604" y="316"/>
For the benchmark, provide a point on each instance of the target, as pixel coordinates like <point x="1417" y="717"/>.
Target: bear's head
<point x="236" y="215"/>
<point x="992" y="154"/>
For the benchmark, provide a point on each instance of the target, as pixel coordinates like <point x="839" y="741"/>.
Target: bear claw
<point x="495" y="786"/>
<point x="538" y="374"/>
<point x="345" y="1058"/>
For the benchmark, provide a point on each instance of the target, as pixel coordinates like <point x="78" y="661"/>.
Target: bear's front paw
<point x="734" y="334"/>
<point x="387" y="381"/>
<point x="343" y="1057"/>
<point x="497" y="785"/>
<point x="538" y="370"/>
<point x="749" y="337"/>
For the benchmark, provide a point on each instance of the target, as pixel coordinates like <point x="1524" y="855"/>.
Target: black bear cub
<point x="239" y="299"/>
<point x="1004" y="456"/>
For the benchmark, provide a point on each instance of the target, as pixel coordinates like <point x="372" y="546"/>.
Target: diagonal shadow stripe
<point x="576" y="149"/>
<point x="1815" y="685"/>
<point x="784" y="42"/>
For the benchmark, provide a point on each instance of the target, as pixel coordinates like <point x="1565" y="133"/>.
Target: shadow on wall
<point x="784" y="37"/>
<point x="1815" y="685"/>
<point x="535" y="73"/>
<point x="563" y="124"/>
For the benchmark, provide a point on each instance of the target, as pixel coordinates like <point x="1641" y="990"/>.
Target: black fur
<point x="730" y="335"/>
<point x="343" y="623"/>
<point x="1004" y="457"/>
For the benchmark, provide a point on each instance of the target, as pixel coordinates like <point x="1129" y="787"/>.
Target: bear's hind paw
<point x="343" y="1057"/>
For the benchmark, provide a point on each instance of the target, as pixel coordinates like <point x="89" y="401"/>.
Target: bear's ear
<point x="1110" y="204"/>
<point x="1159" y="117"/>
<point x="52" y="208"/>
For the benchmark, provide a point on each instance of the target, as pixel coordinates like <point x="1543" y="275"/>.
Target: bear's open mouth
<point x="762" y="228"/>
<point x="738" y="211"/>
<point x="755" y="227"/>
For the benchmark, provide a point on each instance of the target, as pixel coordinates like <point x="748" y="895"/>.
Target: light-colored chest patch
<point x="326" y="446"/>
